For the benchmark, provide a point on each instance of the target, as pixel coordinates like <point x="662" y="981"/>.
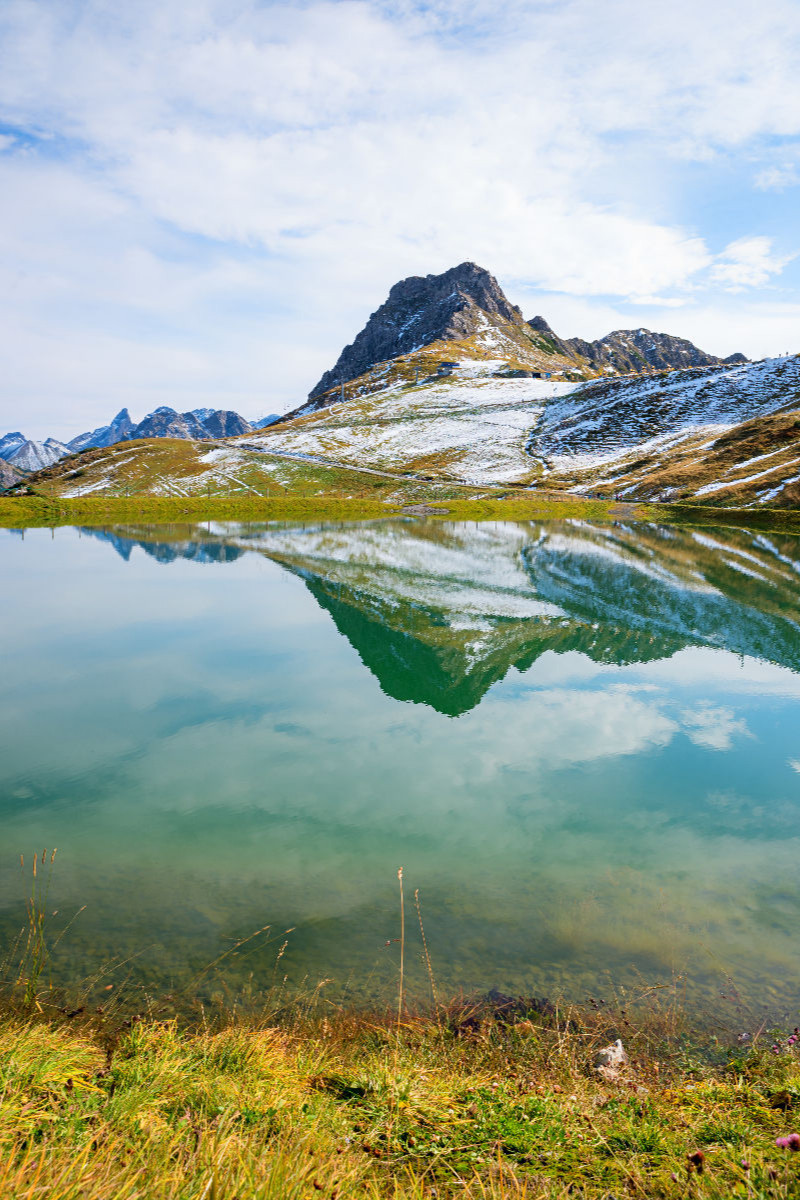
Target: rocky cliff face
<point x="421" y="310"/>
<point x="225" y="423"/>
<point x="105" y="435"/>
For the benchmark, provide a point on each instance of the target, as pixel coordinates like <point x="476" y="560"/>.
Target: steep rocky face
<point x="421" y="310"/>
<point x="199" y="424"/>
<point x="166" y="422"/>
<point x="627" y="351"/>
<point x="225" y="423"/>
<point x="467" y="306"/>
<point x="106" y="435"/>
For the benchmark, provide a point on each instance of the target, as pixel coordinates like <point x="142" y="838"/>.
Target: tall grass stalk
<point x="35" y="953"/>
<point x="427" y="956"/>
<point x="402" y="950"/>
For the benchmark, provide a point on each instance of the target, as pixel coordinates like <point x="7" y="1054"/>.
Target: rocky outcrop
<point x="548" y="341"/>
<point x="632" y="351"/>
<point x="198" y="425"/>
<point x="421" y="310"/>
<point x="224" y="423"/>
<point x="106" y="435"/>
<point x="166" y="422"/>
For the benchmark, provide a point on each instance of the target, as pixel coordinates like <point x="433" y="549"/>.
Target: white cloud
<point x="324" y="150"/>
<point x="748" y="262"/>
<point x="713" y="727"/>
<point x="777" y="178"/>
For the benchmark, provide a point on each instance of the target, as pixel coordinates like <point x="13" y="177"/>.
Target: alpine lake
<point x="581" y="742"/>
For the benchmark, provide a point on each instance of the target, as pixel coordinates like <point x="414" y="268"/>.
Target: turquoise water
<point x="581" y="743"/>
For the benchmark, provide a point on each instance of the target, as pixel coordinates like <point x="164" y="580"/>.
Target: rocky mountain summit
<point x="464" y="314"/>
<point x="421" y="310"/>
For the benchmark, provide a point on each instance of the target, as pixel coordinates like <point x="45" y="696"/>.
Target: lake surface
<point x="581" y="743"/>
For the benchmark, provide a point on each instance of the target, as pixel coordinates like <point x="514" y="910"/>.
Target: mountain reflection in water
<point x="580" y="742"/>
<point x="440" y="611"/>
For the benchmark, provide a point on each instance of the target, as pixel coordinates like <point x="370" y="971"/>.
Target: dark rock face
<point x="421" y="310"/>
<point x="225" y="423"/>
<point x="166" y="422"/>
<point x="106" y="435"/>
<point x="733" y="360"/>
<point x="628" y="351"/>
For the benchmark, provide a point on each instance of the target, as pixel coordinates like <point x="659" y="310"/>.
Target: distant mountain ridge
<point x="466" y="306"/>
<point x="22" y="454"/>
<point x="632" y="351"/>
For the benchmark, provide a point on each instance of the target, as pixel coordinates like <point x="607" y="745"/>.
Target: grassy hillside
<point x="721" y="436"/>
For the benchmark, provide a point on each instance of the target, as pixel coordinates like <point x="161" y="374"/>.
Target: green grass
<point x="20" y="512"/>
<point x="31" y="511"/>
<point x="343" y="1104"/>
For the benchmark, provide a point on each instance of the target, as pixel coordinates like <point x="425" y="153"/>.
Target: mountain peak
<point x="419" y="310"/>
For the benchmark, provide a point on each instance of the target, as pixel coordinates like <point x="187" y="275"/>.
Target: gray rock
<point x="612" y="1056"/>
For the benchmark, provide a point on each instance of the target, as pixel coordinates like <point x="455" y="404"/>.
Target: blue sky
<point x="201" y="201"/>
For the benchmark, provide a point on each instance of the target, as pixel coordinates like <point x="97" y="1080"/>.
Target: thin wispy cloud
<point x="202" y="202"/>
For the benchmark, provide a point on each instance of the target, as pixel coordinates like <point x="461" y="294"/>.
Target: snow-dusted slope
<point x="604" y="418"/>
<point x="685" y="434"/>
<point x="470" y="427"/>
<point x="33" y="456"/>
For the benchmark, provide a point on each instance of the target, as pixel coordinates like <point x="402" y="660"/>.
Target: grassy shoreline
<point x="469" y="1101"/>
<point x="27" y="512"/>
